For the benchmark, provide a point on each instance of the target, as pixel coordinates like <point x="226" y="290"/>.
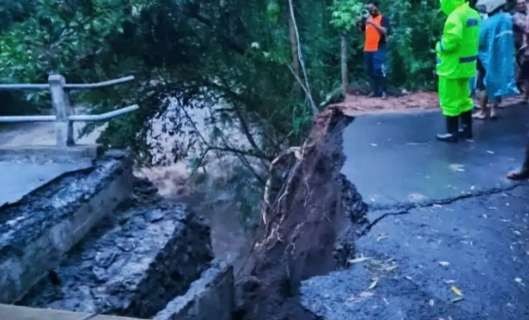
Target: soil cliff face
<point x="308" y="208"/>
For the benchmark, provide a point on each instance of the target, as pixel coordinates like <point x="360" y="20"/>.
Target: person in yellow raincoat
<point x="457" y="53"/>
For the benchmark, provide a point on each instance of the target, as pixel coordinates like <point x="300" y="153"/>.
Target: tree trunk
<point x="345" y="69"/>
<point x="293" y="48"/>
<point x="306" y="82"/>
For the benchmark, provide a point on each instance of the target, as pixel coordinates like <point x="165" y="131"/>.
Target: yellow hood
<point x="448" y="6"/>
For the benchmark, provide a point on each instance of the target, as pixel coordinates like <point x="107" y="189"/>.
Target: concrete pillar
<point x="63" y="109"/>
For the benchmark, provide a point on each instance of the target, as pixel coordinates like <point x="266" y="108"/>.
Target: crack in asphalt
<point x="406" y="208"/>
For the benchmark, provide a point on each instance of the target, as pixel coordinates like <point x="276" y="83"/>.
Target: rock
<point x="154" y="216"/>
<point x="100" y="274"/>
<point x="126" y="245"/>
<point x="106" y="258"/>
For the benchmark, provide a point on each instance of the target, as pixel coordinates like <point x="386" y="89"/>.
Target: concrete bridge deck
<point x="24" y="167"/>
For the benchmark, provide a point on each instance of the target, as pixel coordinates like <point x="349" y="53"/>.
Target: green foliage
<point x="238" y="50"/>
<point x="345" y="13"/>
<point x="62" y="36"/>
<point x="416" y="26"/>
<point x="273" y="11"/>
<point x="14" y="11"/>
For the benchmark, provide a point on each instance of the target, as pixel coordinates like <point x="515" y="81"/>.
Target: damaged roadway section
<point x="448" y="236"/>
<point x="309" y="212"/>
<point x="37" y="231"/>
<point x="133" y="264"/>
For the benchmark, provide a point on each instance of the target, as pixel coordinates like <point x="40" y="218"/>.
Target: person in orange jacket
<point x="376" y="29"/>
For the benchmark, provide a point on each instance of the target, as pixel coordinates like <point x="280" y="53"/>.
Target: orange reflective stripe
<point x="373" y="36"/>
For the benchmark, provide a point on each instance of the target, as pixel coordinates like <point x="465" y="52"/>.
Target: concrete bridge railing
<point x="64" y="116"/>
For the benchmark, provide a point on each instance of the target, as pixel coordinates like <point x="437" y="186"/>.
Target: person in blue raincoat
<point x="497" y="57"/>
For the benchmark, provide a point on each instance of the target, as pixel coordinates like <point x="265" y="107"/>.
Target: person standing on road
<point x="521" y="37"/>
<point x="376" y="29"/>
<point x="521" y="31"/>
<point x="497" y="56"/>
<point x="456" y="64"/>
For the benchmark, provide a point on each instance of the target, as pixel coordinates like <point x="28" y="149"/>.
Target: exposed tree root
<point x="303" y="219"/>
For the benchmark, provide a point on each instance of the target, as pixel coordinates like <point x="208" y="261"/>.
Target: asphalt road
<point x="449" y="237"/>
<point x="394" y="158"/>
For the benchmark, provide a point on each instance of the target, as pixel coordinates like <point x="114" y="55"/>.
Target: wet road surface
<point x="21" y="175"/>
<point x="20" y="178"/>
<point x="449" y="236"/>
<point x="394" y="158"/>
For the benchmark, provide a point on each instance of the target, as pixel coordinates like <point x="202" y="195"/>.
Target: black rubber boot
<point x="452" y="128"/>
<point x="466" y="126"/>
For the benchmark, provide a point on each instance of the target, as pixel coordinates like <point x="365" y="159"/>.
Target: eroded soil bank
<point x="309" y="215"/>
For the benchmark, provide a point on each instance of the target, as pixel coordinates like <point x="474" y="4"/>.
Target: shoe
<point x="481" y="115"/>
<point x="466" y="126"/>
<point x="452" y="128"/>
<point x="493" y="115"/>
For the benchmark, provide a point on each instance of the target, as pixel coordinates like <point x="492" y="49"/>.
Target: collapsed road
<point x="137" y="258"/>
<point x="448" y="236"/>
<point x="39" y="229"/>
<point x="132" y="264"/>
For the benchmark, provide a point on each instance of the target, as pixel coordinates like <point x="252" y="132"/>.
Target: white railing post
<point x="63" y="110"/>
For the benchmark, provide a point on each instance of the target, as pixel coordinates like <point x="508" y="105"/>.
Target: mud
<point x="357" y="104"/>
<point x="133" y="264"/>
<point x="354" y="220"/>
<point x="303" y="217"/>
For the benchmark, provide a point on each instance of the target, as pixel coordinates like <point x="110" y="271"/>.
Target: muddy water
<point x="182" y="131"/>
<point x="230" y="235"/>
